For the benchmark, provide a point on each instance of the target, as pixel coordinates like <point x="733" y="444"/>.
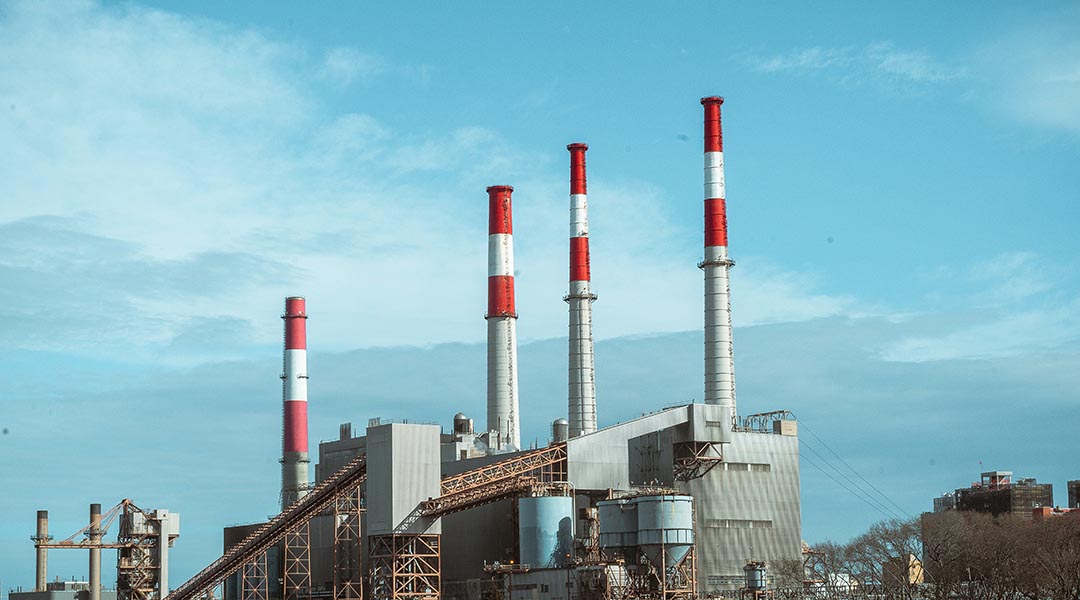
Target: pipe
<point x="42" y="537"/>
<point x="94" y="533"/>
<point x="719" y="352"/>
<point x="582" y="373"/>
<point x="502" y="380"/>
<point x="294" y="439"/>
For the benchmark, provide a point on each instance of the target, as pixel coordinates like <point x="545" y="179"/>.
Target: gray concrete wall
<point x="403" y="470"/>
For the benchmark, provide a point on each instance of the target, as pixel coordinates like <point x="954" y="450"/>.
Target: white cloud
<point x="206" y="180"/>
<point x="1016" y="303"/>
<point x="1034" y="72"/>
<point x="346" y="66"/>
<point x="878" y="61"/>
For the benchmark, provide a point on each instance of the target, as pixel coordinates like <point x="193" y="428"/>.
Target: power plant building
<point x="670" y="504"/>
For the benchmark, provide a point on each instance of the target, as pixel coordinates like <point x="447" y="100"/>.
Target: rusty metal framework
<point x="405" y="567"/>
<point x="693" y="460"/>
<point x="320" y="499"/>
<point x="137" y="566"/>
<point x="298" y="561"/>
<point x="478" y="496"/>
<point x="401" y="566"/>
<point x="762" y="422"/>
<point x="528" y="473"/>
<point x="547" y="464"/>
<point x="254" y="580"/>
<point x="677" y="581"/>
<point x="348" y="569"/>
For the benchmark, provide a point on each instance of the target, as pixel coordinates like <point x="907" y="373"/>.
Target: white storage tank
<point x="665" y="527"/>
<point x="546" y="531"/>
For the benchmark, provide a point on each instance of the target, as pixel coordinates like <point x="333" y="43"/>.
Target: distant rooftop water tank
<point x="462" y="424"/>
<point x="546" y="531"/>
<point x="560" y="430"/>
<point x="755" y="576"/>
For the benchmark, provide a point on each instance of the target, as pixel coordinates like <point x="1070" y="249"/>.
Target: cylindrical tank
<point x="618" y="524"/>
<point x="665" y="528"/>
<point x="755" y="576"/>
<point x="560" y="430"/>
<point x="462" y="424"/>
<point x="546" y="531"/>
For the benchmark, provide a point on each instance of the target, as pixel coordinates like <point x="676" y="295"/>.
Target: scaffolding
<point x="344" y="482"/>
<point x="298" y="561"/>
<point x="348" y="570"/>
<point x="255" y="580"/>
<point x="401" y="566"/>
<point x="405" y="566"/>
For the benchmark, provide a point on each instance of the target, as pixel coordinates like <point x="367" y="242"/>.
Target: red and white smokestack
<point x="294" y="443"/>
<point x="582" y="375"/>
<point x="719" y="353"/>
<point x="502" y="380"/>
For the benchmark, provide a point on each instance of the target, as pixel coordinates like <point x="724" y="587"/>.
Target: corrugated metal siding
<point x="744" y="508"/>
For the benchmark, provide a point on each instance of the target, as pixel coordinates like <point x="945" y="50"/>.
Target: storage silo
<point x="618" y="526"/>
<point x="665" y="528"/>
<point x="546" y="531"/>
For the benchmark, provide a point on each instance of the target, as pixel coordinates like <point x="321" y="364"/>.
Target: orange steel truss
<point x="348" y="570"/>
<point x="401" y="566"/>
<point x="547" y="464"/>
<point x="298" y="561"/>
<point x="254" y="580"/>
<point x="345" y="481"/>
<point x="405" y="566"/>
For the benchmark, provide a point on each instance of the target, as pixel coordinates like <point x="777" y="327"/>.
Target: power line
<point x="841" y="484"/>
<point x="857" y="474"/>
<point x="866" y="497"/>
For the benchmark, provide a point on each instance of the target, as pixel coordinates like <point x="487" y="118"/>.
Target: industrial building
<point x="672" y="504"/>
<point x="997" y="494"/>
<point x="142" y="563"/>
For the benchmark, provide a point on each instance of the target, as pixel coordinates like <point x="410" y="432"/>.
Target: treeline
<point x="943" y="556"/>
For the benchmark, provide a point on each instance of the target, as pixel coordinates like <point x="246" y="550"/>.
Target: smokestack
<point x="294" y="452"/>
<point x="42" y="537"/>
<point x="719" y="354"/>
<point x="502" y="383"/>
<point x="582" y="375"/>
<point x="94" y="533"/>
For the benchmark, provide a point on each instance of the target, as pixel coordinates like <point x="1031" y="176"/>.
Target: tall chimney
<point x="294" y="451"/>
<point x="42" y="537"/>
<point x="582" y="375"/>
<point x="719" y="354"/>
<point x="94" y="533"/>
<point x="502" y="383"/>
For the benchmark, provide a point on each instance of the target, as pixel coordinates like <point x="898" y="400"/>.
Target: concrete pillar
<point x="95" y="551"/>
<point x="42" y="537"/>
<point x="163" y="552"/>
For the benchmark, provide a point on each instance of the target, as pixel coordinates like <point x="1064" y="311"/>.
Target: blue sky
<point x="903" y="209"/>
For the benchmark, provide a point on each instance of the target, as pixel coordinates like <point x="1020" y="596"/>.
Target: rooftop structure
<point x="997" y="493"/>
